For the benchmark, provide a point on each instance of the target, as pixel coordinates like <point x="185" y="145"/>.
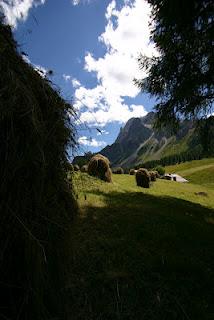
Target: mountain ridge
<point x="139" y="142"/>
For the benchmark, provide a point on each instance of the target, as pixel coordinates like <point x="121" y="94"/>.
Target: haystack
<point x="132" y="172"/>
<point x="36" y="206"/>
<point x="99" y="167"/>
<point x="84" y="168"/>
<point x="153" y="175"/>
<point x="69" y="167"/>
<point x="76" y="167"/>
<point x="143" y="178"/>
<point x="118" y="170"/>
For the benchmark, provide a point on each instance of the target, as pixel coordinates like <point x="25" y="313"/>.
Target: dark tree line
<point x="195" y="154"/>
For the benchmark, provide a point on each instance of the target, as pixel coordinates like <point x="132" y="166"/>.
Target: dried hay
<point x="153" y="175"/>
<point x="84" y="168"/>
<point x="99" y="167"/>
<point x="118" y="170"/>
<point x="76" y="167"/>
<point x="132" y="172"/>
<point x="143" y="178"/>
<point x="37" y="207"/>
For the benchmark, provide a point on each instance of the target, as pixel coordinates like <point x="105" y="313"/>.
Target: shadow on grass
<point x="142" y="257"/>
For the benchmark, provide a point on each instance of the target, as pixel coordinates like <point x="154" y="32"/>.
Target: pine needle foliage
<point x="181" y="77"/>
<point x="37" y="205"/>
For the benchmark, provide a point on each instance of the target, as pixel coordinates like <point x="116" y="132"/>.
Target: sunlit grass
<point x="142" y="253"/>
<point x="200" y="172"/>
<point x="126" y="183"/>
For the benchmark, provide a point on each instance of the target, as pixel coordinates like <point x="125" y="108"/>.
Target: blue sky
<point x="92" y="47"/>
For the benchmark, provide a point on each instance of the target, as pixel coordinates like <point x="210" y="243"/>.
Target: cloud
<point x="91" y="142"/>
<point x="66" y="77"/>
<point x="41" y="70"/>
<point x="15" y="10"/>
<point x="126" y="34"/>
<point x="75" y="83"/>
<point x="77" y="2"/>
<point x="120" y="113"/>
<point x="101" y="132"/>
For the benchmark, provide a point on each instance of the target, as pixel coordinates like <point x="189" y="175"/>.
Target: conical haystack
<point x="36" y="206"/>
<point x="99" y="167"/>
<point x="143" y="178"/>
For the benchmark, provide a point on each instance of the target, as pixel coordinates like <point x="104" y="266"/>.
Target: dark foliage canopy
<point x="181" y="78"/>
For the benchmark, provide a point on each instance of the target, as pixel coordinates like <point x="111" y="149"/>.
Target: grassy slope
<point x="178" y="147"/>
<point x="142" y="253"/>
<point x="199" y="172"/>
<point x="171" y="147"/>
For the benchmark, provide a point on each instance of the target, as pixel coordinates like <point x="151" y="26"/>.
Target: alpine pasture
<point x="143" y="253"/>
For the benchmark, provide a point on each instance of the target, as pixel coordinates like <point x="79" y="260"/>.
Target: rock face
<point x="138" y="142"/>
<point x="135" y="132"/>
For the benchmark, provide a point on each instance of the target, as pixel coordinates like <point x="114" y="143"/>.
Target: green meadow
<point x="200" y="172"/>
<point x="143" y="253"/>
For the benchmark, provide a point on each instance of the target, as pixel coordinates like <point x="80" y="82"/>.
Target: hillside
<point x="138" y="142"/>
<point x="200" y="172"/>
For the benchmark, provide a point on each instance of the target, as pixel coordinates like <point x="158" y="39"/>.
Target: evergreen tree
<point x="182" y="76"/>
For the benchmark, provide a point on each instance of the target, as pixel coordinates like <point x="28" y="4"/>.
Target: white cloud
<point x="15" y="10"/>
<point x="75" y="83"/>
<point x="91" y="142"/>
<point x="101" y="132"/>
<point x="121" y="113"/>
<point x="41" y="70"/>
<point x="126" y="35"/>
<point x="77" y="2"/>
<point x="66" y="77"/>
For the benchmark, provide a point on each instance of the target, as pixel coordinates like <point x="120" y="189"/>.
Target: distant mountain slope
<point x="138" y="142"/>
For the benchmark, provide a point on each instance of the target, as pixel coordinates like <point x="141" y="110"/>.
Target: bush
<point x="76" y="167"/>
<point x="99" y="167"/>
<point x="132" y="172"/>
<point x="84" y="168"/>
<point x="153" y="175"/>
<point x="143" y="178"/>
<point x="118" y="171"/>
<point x="160" y="170"/>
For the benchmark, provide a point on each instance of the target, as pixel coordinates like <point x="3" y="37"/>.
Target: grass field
<point x="142" y="253"/>
<point x="199" y="172"/>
